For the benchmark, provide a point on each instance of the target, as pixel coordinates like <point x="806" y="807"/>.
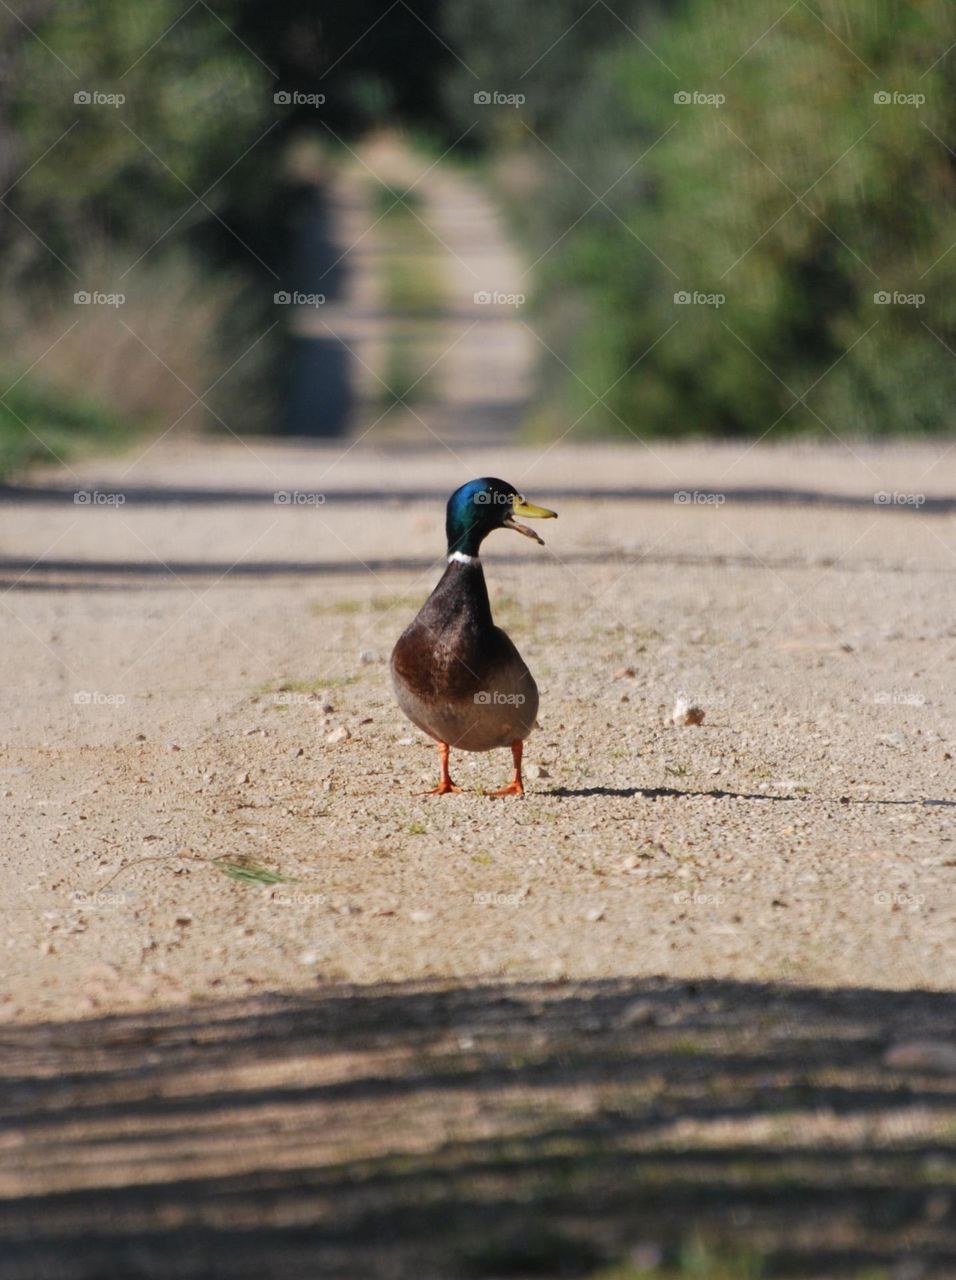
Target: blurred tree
<point x="128" y="145"/>
<point x="193" y="99"/>
<point x="376" y="64"/>
<point x="802" y="198"/>
<point x="136" y="140"/>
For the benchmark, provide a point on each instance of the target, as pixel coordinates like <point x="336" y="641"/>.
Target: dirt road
<point x="687" y="1001"/>
<point x="201" y="673"/>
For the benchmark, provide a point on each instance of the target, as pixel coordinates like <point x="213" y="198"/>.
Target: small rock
<point x="341" y="734"/>
<point x="327" y="708"/>
<point x="538" y="771"/>
<point x="938" y="1056"/>
<point x="242" y="778"/>
<point x="308" y="958"/>
<point x="406" y="742"/>
<point x="421" y="917"/>
<point x="687" y="712"/>
<point x="184" y="918"/>
<point x="296" y="752"/>
<point x="595" y="914"/>
<point x="366" y="657"/>
<point x="623" y="673"/>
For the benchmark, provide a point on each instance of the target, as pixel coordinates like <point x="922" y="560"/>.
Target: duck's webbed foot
<point x="444" y="788"/>
<point x="445" y="784"/>
<point x="515" y="787"/>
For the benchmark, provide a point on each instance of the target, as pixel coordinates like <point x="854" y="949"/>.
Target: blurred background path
<point x="433" y="348"/>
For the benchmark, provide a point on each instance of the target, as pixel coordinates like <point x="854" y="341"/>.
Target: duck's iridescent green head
<point x="482" y="505"/>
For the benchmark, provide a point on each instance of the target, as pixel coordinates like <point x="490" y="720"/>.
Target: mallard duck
<point x="457" y="676"/>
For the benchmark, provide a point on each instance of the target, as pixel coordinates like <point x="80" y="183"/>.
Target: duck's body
<point x="457" y="676"/>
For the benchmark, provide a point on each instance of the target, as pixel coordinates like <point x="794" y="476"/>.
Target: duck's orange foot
<point x="444" y="788"/>
<point x="445" y="784"/>
<point x="514" y="788"/>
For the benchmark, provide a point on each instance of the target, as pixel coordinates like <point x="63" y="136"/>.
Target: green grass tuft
<point x="248" y="872"/>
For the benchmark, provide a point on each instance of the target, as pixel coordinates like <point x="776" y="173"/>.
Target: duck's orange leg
<point x="515" y="787"/>
<point x="445" y="784"/>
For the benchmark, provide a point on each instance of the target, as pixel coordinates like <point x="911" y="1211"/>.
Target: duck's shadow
<point x="662" y="793"/>
<point x="671" y="793"/>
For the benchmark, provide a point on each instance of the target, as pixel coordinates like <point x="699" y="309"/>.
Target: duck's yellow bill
<point x="530" y="512"/>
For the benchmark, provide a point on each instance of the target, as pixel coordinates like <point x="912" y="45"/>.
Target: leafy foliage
<point x="799" y="199"/>
<point x="122" y="136"/>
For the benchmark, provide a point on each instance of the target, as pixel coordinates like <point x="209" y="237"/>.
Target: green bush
<point x="712" y="208"/>
<point x="194" y="100"/>
<point x="102" y="198"/>
<point x="38" y="424"/>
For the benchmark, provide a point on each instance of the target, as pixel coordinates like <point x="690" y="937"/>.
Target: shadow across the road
<point x="753" y="495"/>
<point x="26" y="573"/>
<point x="498" y="1130"/>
